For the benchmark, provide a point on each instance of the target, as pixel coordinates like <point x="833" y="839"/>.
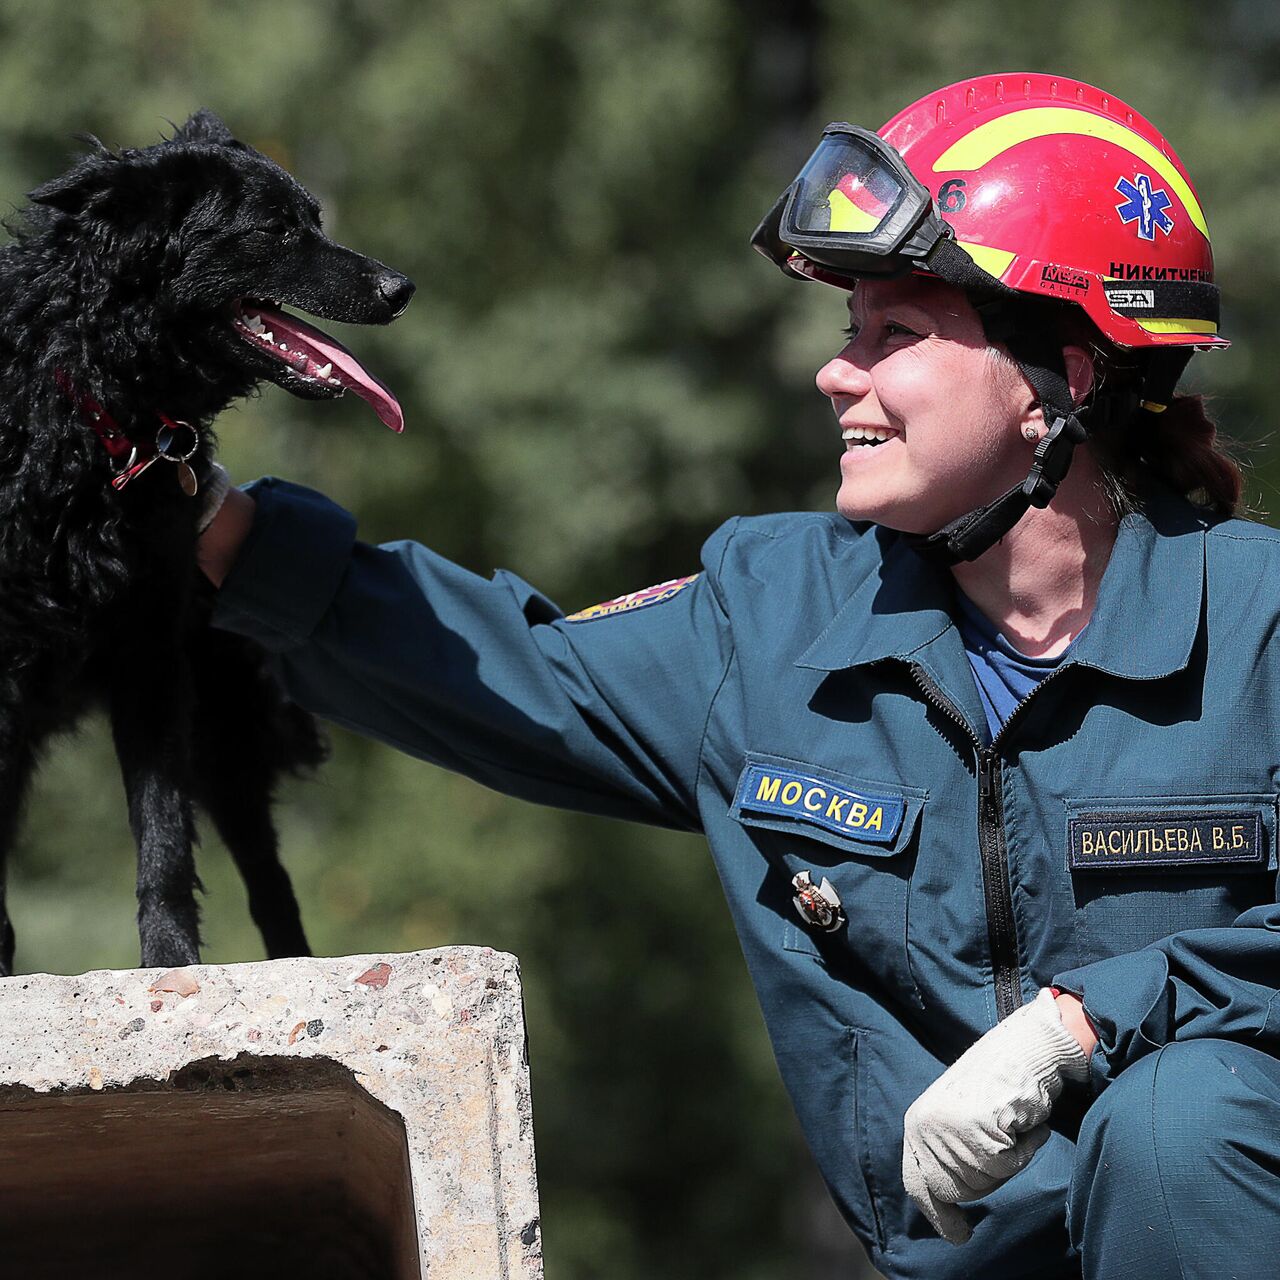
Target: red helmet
<point x="1059" y="189"/>
<point x="1016" y="184"/>
<point x="1015" y="188"/>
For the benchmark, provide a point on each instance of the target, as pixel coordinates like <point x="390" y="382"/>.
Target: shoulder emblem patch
<point x="633" y="600"/>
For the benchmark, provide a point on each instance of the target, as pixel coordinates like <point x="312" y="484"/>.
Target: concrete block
<point x="346" y="1119"/>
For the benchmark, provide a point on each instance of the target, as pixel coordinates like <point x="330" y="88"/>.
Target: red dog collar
<point x="175" y="441"/>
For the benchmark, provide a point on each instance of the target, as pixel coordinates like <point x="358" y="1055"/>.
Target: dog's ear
<point x="205" y="126"/>
<point x="129" y="191"/>
<point x="72" y="190"/>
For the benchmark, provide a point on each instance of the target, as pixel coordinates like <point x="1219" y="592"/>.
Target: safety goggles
<point x="854" y="210"/>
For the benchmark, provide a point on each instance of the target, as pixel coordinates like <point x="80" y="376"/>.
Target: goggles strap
<point x="951" y="263"/>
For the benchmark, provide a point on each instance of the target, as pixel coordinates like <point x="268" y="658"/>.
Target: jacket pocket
<point x="870" y="869"/>
<point x="827" y="1084"/>
<point x="1145" y="867"/>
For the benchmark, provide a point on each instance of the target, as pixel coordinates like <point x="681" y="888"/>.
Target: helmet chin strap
<point x="967" y="537"/>
<point x="1135" y="409"/>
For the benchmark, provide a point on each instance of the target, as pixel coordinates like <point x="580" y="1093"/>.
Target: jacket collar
<point x="1143" y="627"/>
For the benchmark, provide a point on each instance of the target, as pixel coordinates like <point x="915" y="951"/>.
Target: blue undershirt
<point x="1003" y="675"/>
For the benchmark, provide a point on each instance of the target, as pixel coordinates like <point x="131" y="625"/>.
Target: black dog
<point x="138" y="298"/>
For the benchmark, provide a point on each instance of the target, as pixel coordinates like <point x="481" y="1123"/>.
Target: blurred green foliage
<point x="596" y="371"/>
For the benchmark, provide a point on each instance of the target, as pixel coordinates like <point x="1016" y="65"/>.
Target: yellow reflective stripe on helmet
<point x="846" y="216"/>
<point x="1175" y="326"/>
<point x="995" y="262"/>
<point x="996" y="136"/>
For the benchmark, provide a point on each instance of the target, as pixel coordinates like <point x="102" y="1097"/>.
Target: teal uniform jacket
<point x="806" y="702"/>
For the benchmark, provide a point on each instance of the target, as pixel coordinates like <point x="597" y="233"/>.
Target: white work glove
<point x="212" y="495"/>
<point x="984" y="1118"/>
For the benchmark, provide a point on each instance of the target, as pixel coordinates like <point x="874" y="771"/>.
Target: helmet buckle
<point x="1052" y="458"/>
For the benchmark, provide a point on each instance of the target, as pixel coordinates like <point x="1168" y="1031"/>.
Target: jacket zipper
<point x="1002" y="931"/>
<point x="993" y="852"/>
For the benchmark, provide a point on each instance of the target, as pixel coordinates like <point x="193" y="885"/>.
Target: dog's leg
<point x="16" y="762"/>
<point x="243" y="820"/>
<point x="151" y="722"/>
<point x="161" y="820"/>
<point x="151" y="743"/>
<point x="245" y="736"/>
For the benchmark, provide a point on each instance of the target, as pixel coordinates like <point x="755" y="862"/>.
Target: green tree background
<point x="596" y="371"/>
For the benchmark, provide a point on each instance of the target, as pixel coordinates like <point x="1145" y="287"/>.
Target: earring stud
<point x="1029" y="432"/>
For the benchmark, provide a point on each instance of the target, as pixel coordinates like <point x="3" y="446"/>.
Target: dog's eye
<point x="277" y="227"/>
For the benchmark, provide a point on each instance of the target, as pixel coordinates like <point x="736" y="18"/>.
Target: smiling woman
<point x="961" y="748"/>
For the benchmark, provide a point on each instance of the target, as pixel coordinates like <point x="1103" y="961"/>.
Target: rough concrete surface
<point x="342" y="1118"/>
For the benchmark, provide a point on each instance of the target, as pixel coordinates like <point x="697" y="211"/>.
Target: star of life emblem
<point x="1145" y="205"/>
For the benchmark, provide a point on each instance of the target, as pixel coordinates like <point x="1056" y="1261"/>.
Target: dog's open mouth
<point x="313" y="356"/>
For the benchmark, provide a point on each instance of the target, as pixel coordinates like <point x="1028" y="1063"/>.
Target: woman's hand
<point x="984" y="1118"/>
<point x="222" y="537"/>
<point x="1074" y="1018"/>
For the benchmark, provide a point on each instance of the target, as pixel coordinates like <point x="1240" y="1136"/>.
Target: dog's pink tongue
<point x="324" y="349"/>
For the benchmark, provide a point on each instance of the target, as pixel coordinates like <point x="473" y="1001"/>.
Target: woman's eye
<point x="894" y="330"/>
<point x="891" y="329"/>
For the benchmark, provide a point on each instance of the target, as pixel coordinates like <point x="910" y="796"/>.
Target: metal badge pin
<point x="818" y="905"/>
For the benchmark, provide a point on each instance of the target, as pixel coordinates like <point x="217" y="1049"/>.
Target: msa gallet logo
<point x="1064" y="278"/>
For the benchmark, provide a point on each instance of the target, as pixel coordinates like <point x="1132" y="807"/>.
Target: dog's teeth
<point x="335" y="382"/>
<point x="255" y="323"/>
<point x="268" y="336"/>
<point x="324" y="370"/>
<point x="284" y="346"/>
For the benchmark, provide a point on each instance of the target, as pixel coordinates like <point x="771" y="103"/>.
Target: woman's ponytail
<point x="1182" y="448"/>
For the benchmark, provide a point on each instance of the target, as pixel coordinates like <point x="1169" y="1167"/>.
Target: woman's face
<point x="931" y="418"/>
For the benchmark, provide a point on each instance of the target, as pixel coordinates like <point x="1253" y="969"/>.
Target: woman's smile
<point x="854" y="436"/>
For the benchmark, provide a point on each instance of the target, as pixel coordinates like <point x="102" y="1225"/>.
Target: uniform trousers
<point x="1177" y="1168"/>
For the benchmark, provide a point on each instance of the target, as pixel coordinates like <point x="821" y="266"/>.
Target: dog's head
<point x="193" y="245"/>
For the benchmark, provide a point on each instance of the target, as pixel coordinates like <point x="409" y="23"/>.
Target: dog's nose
<point x="396" y="290"/>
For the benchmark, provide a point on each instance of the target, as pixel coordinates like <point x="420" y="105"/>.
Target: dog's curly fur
<point x="120" y="282"/>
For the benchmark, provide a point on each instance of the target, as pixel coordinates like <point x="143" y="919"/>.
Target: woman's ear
<point x="1079" y="366"/>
